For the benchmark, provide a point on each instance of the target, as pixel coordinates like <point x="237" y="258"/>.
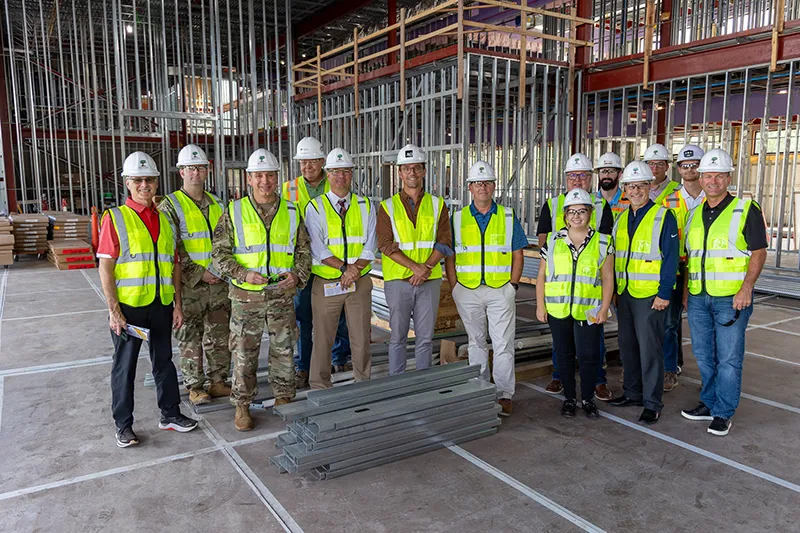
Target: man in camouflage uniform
<point x="207" y="309"/>
<point x="261" y="244"/>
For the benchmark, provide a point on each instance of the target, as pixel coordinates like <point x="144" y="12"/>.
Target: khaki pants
<point x="326" y="310"/>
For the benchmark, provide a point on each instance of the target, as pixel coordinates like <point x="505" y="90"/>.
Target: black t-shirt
<point x="755" y="233"/>
<point x="546" y="224"/>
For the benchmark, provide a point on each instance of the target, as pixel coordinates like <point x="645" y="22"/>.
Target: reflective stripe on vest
<point x="573" y="287"/>
<point x="345" y="239"/>
<point x="484" y="255"/>
<point x="719" y="260"/>
<point x="195" y="229"/>
<point x="143" y="266"/>
<point x="296" y="191"/>
<point x="557" y="215"/>
<point x="415" y="241"/>
<point x="268" y="254"/>
<point x="677" y="203"/>
<point x="637" y="264"/>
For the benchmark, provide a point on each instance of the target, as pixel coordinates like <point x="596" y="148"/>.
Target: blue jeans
<point x="673" y="332"/>
<point x="601" y="375"/>
<point x="719" y="349"/>
<point x="302" y="308"/>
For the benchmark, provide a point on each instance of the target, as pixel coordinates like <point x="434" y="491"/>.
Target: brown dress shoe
<point x="282" y="401"/>
<point x="242" y="420"/>
<point x="670" y="381"/>
<point x="301" y="379"/>
<point x="505" y="403"/>
<point x="555" y="387"/>
<point x="219" y="390"/>
<point x="199" y="396"/>
<point x="602" y="393"/>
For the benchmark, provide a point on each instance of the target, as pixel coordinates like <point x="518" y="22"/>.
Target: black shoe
<point x="720" y="426"/>
<point x="701" y="412"/>
<point x="126" y="437"/>
<point x="649" y="417"/>
<point x="568" y="408"/>
<point x="179" y="423"/>
<point x="590" y="409"/>
<point x="624" y="401"/>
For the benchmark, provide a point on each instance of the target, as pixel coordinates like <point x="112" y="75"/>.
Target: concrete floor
<point x="60" y="469"/>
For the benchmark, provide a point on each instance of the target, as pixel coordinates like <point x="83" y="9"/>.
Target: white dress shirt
<point x="691" y="203"/>
<point x="318" y="231"/>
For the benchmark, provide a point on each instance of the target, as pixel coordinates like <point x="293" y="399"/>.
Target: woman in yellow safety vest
<point x="573" y="294"/>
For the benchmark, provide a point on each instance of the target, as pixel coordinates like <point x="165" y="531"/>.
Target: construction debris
<point x="346" y="429"/>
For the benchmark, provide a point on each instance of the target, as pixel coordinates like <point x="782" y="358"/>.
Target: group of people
<point x="295" y="264"/>
<point x="650" y="247"/>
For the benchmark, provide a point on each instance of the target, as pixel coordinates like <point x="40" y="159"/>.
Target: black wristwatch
<point x="515" y="285"/>
<point x="343" y="268"/>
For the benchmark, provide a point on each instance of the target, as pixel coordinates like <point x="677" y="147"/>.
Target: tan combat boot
<point x="301" y="379"/>
<point x="199" y="396"/>
<point x="282" y="401"/>
<point x="218" y="389"/>
<point x="243" y="421"/>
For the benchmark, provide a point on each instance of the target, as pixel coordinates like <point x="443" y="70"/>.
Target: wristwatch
<point x="343" y="268"/>
<point x="515" y="285"/>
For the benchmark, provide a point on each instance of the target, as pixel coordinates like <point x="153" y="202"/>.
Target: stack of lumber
<point x="70" y="254"/>
<point x="65" y="225"/>
<point x="354" y="427"/>
<point x="6" y="242"/>
<point x="30" y="233"/>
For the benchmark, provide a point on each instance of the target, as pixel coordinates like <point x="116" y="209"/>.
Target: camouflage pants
<point x="206" y="318"/>
<point x="249" y="314"/>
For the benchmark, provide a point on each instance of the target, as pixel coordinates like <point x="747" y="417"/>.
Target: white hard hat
<point x="309" y="148"/>
<point x="481" y="171"/>
<point x="578" y="163"/>
<point x="656" y="152"/>
<point x="637" y="171"/>
<point x="578" y="197"/>
<point x="690" y="152"/>
<point x="338" y="158"/>
<point x="139" y="164"/>
<point x="609" y="160"/>
<point x="263" y="161"/>
<point x="716" y="160"/>
<point x="410" y="154"/>
<point x="191" y="154"/>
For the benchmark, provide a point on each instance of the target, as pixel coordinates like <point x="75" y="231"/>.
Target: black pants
<point x="641" y="335"/>
<point x="572" y="338"/>
<point x="158" y="318"/>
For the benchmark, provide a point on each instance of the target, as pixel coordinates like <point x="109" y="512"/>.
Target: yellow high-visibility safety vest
<point x="195" y="229"/>
<point x="296" y="191"/>
<point x="571" y="287"/>
<point x="414" y="241"/>
<point x="557" y="214"/>
<point x="680" y="209"/>
<point x="484" y="255"/>
<point x="721" y="258"/>
<point x="344" y="238"/>
<point x="142" y="264"/>
<point x="269" y="254"/>
<point x="637" y="263"/>
<point x="669" y="188"/>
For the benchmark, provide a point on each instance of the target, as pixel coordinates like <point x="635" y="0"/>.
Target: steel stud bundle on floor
<point x="338" y="431"/>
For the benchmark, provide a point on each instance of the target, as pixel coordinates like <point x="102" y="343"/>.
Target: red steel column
<point x="392" y="8"/>
<point x="5" y="124"/>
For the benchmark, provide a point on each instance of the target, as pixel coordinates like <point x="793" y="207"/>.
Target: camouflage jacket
<point x="222" y="247"/>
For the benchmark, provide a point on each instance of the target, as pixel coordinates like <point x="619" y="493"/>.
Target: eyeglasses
<point x="636" y="186"/>
<point x="408" y="169"/>
<point x="608" y="171"/>
<point x="341" y="172"/>
<point x="193" y="168"/>
<point x="579" y="177"/>
<point x="485" y="184"/>
<point x="576" y="212"/>
<point x="689" y="166"/>
<point x="139" y="181"/>
<point x="657" y="164"/>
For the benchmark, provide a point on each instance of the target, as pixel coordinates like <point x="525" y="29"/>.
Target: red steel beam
<point x="729" y="57"/>
<point x="5" y="124"/>
<point x="392" y="19"/>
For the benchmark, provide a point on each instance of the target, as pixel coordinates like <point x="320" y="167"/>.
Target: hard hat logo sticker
<point x="409" y="153"/>
<point x="713" y="160"/>
<point x="142" y="163"/>
<point x="261" y="158"/>
<point x="340" y="156"/>
<point x="194" y="155"/>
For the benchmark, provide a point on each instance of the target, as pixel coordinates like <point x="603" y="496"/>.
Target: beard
<point x="608" y="184"/>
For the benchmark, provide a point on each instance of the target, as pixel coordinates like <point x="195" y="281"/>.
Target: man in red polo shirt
<point x="139" y="271"/>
